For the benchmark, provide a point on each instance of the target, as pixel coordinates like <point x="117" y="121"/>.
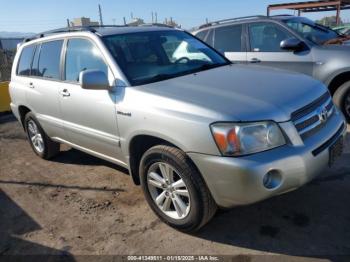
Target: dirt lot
<point x="79" y="205"/>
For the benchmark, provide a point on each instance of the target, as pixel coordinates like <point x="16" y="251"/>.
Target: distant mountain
<point x="4" y="34"/>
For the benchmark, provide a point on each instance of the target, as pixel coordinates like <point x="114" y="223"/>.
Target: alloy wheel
<point x="35" y="136"/>
<point x="347" y="104"/>
<point x="168" y="190"/>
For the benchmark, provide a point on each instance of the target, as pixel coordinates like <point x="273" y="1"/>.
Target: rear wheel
<point x="342" y="99"/>
<point x="174" y="189"/>
<point x="41" y="144"/>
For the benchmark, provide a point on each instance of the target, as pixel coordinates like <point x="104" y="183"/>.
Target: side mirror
<point x="93" y="79"/>
<point x="292" y="44"/>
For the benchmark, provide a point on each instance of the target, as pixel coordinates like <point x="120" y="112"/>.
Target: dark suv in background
<point x="286" y="42"/>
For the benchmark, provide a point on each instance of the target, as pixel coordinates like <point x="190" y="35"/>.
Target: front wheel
<point x="342" y="99"/>
<point x="174" y="189"/>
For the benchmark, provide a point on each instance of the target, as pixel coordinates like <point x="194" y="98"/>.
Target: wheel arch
<point x="337" y="80"/>
<point x="23" y="110"/>
<point x="138" y="145"/>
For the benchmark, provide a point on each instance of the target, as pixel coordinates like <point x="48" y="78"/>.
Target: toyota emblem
<point x="323" y="114"/>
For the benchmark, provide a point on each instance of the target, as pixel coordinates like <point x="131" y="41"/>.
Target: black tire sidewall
<point x="28" y="117"/>
<point x="340" y="96"/>
<point x="194" y="218"/>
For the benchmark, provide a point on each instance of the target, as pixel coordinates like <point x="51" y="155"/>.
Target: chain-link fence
<point x="6" y="59"/>
<point x="8" y="48"/>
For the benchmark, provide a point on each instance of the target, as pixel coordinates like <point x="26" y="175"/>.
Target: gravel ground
<point x="76" y="204"/>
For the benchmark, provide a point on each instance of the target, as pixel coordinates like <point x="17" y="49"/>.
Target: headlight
<point x="234" y="139"/>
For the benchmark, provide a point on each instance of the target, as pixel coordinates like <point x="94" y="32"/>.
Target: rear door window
<point x="35" y="64"/>
<point x="49" y="60"/>
<point x="25" y="61"/>
<point x="228" y="38"/>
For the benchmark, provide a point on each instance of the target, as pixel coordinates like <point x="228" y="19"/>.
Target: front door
<point x="89" y="116"/>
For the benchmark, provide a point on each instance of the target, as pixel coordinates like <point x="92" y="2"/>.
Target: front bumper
<point x="236" y="181"/>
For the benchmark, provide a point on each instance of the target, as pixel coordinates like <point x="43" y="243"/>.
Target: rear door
<point x="43" y="86"/>
<point x="264" y="40"/>
<point x="89" y="116"/>
<point x="229" y="40"/>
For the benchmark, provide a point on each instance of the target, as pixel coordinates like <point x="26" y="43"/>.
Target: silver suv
<point x="286" y="42"/>
<point x="195" y="131"/>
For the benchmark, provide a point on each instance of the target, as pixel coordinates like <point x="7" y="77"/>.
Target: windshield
<point x="311" y="31"/>
<point x="343" y="31"/>
<point x="147" y="57"/>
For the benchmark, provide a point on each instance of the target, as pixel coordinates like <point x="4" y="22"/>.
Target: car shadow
<point x="6" y="117"/>
<point x="76" y="187"/>
<point x="76" y="157"/>
<point x="313" y="221"/>
<point x="16" y="223"/>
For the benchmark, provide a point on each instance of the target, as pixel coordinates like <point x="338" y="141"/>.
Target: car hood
<point x="345" y="46"/>
<point x="237" y="93"/>
<point x="346" y="43"/>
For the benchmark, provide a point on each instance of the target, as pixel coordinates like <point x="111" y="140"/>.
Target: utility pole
<point x="68" y="24"/>
<point x="100" y="13"/>
<point x="124" y="20"/>
<point x="338" y="14"/>
<point x="156" y="17"/>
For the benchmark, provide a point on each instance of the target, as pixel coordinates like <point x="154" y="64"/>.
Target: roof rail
<point x="61" y="30"/>
<point x="84" y="28"/>
<point x="156" y="24"/>
<point x="281" y="15"/>
<point x="223" y="21"/>
<point x="91" y="29"/>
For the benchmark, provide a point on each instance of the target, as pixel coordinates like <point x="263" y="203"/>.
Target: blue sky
<point x="41" y="15"/>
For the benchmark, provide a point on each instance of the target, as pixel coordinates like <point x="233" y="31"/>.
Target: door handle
<point x="65" y="93"/>
<point x="31" y="85"/>
<point x="255" y="60"/>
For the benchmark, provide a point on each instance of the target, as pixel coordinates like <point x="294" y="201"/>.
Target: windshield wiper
<point x="327" y="28"/>
<point x="161" y="77"/>
<point x="156" y="78"/>
<point x="209" y="66"/>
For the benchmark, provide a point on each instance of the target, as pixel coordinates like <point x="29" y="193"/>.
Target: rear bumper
<point x="14" y="110"/>
<point x="239" y="181"/>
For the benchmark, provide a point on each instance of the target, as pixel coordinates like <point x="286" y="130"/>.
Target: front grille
<point x="310" y="107"/>
<point x="329" y="142"/>
<point x="313" y="116"/>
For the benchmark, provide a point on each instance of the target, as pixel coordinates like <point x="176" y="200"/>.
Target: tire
<point x="42" y="145"/>
<point x="200" y="206"/>
<point x="342" y="99"/>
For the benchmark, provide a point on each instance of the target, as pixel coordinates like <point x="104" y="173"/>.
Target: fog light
<point x="272" y="179"/>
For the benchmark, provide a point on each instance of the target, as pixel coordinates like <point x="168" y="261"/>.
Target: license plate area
<point x="335" y="150"/>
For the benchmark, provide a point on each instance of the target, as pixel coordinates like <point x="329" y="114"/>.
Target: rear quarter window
<point x="25" y="61"/>
<point x="202" y="34"/>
